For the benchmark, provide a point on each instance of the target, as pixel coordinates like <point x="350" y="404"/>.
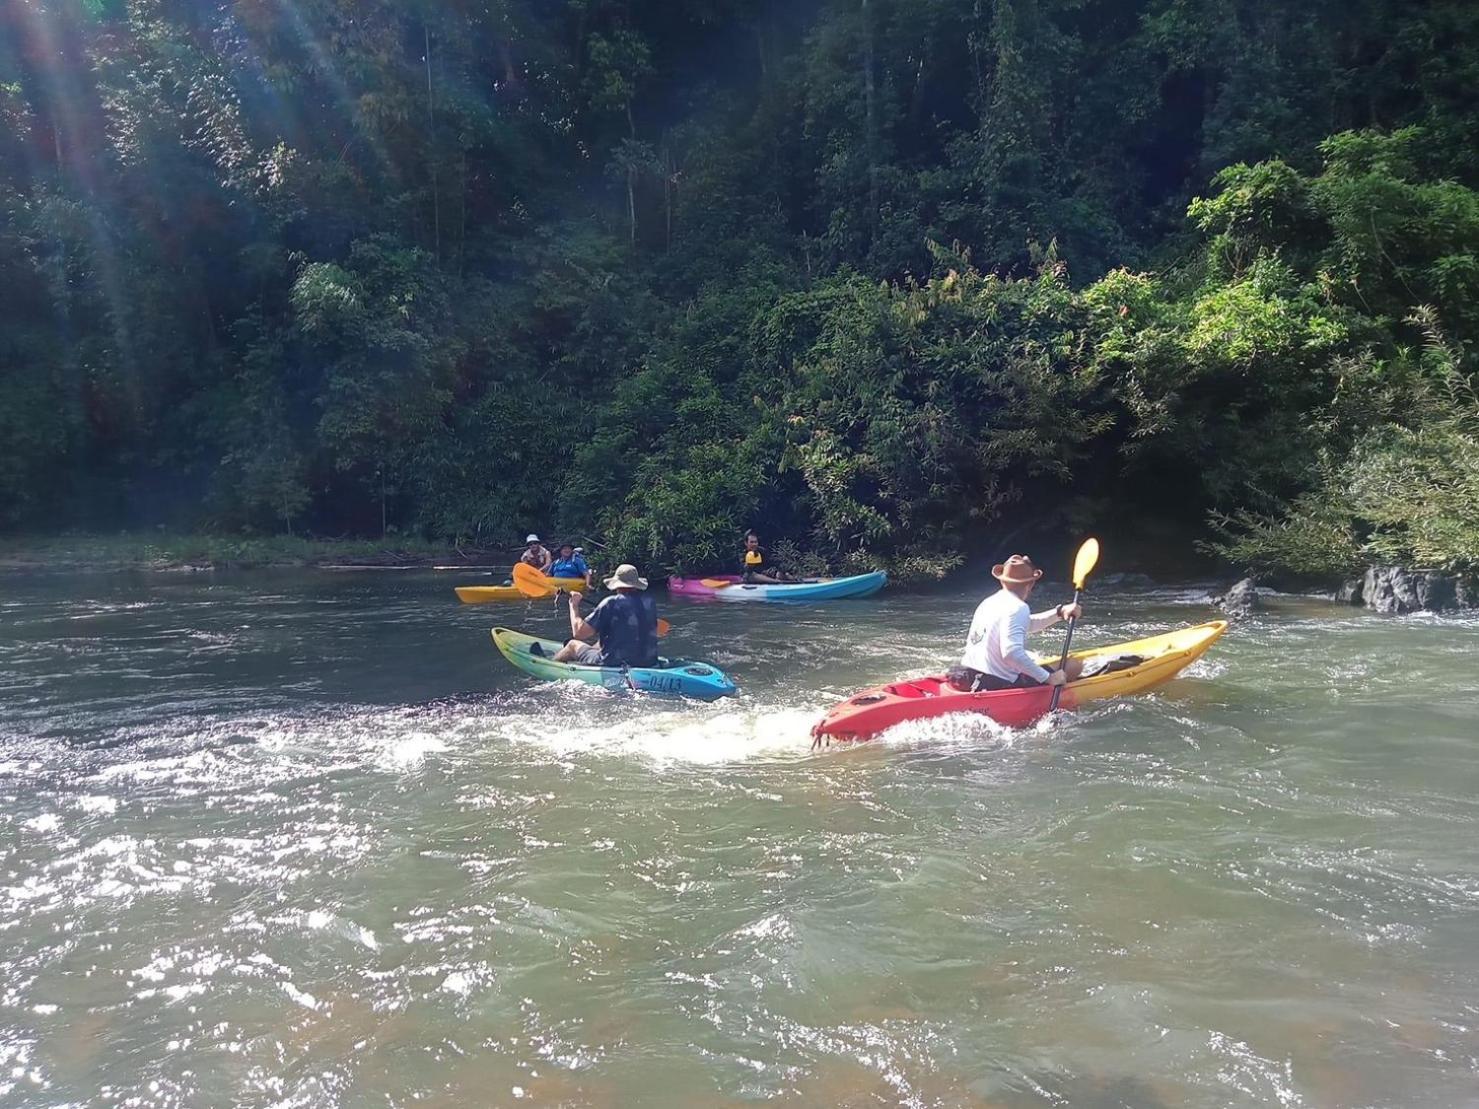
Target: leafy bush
<point x="1417" y="491"/>
<point x="1311" y="540"/>
<point x="1404" y="494"/>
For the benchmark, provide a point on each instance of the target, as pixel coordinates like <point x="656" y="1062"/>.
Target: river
<point x="304" y="839"/>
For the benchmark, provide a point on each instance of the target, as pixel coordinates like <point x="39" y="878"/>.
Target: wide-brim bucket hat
<point x="626" y="577"/>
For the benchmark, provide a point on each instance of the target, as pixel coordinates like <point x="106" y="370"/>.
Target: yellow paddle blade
<point x="531" y="583"/>
<point x="715" y="583"/>
<point x="1084" y="562"/>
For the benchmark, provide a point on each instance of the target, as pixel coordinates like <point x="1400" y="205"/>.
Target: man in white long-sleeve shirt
<point x="996" y="649"/>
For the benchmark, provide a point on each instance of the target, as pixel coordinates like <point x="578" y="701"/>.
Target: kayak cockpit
<point x="919" y="687"/>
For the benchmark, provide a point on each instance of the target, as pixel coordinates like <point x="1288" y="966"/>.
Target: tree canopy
<point x="883" y="275"/>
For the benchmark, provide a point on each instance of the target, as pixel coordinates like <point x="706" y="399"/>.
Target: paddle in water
<point x="1083" y="565"/>
<point x="532" y="583"/>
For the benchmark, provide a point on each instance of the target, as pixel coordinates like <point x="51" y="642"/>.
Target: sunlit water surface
<point x="305" y="840"/>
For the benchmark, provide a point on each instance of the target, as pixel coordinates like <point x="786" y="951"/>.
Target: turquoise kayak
<point x="672" y="678"/>
<point x="834" y="589"/>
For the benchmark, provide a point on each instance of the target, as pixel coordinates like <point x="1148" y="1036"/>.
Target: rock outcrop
<point x="1241" y="600"/>
<point x="1395" y="589"/>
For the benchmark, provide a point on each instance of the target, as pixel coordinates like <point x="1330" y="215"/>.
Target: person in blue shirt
<point x="624" y="625"/>
<point x="570" y="564"/>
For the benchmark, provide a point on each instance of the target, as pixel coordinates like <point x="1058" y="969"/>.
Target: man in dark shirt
<point x="624" y="625"/>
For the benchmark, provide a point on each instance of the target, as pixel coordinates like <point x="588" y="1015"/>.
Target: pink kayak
<point x="695" y="587"/>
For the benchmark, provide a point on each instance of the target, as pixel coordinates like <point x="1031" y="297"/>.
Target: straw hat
<point x="1017" y="570"/>
<point x="626" y="577"/>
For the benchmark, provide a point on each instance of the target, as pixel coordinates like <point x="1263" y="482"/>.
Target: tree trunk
<point x="462" y="214"/>
<point x="431" y="121"/>
<point x="916" y="101"/>
<point x="871" y="113"/>
<point x="632" y="175"/>
<point x="632" y="199"/>
<point x="668" y="176"/>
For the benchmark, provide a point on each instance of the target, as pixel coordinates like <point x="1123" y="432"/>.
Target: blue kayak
<point x="672" y="678"/>
<point x="833" y="589"/>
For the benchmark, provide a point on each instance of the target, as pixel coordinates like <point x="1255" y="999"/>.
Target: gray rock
<point x="1350" y="592"/>
<point x="1396" y="589"/>
<point x="1466" y="593"/>
<point x="1241" y="600"/>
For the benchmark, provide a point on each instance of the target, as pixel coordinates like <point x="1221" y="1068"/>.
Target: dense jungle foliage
<point x="887" y="278"/>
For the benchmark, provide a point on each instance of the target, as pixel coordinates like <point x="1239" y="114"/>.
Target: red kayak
<point x="1126" y="668"/>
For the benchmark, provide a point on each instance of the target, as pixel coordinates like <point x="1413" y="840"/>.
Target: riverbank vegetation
<point x="888" y="279"/>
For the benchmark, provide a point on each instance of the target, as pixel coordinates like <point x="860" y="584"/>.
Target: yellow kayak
<point x="487" y="594"/>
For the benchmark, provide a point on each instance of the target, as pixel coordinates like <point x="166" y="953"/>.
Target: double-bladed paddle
<point x="1083" y="565"/>
<point x="532" y="583"/>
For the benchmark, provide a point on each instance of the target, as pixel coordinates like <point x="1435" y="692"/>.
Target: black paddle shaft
<point x="1063" y="662"/>
<point x="562" y="593"/>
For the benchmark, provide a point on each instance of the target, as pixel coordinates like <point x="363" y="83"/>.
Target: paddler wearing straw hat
<point x="623" y="629"/>
<point x="996" y="649"/>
